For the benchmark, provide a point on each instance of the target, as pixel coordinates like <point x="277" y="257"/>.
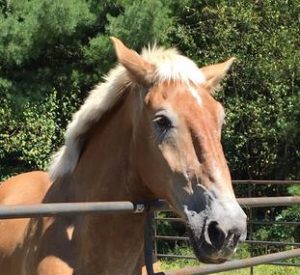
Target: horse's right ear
<point x="140" y="70"/>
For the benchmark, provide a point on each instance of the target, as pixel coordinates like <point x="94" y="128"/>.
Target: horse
<point x="151" y="130"/>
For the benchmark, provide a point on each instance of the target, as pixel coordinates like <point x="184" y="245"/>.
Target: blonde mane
<point x="169" y="64"/>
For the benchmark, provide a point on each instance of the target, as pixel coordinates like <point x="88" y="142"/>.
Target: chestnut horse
<point x="151" y="130"/>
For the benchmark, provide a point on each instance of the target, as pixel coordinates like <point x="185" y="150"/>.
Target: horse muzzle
<point x="216" y="230"/>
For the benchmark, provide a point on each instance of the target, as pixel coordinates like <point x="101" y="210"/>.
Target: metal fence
<point x="57" y="209"/>
<point x="249" y="203"/>
<point x="236" y="264"/>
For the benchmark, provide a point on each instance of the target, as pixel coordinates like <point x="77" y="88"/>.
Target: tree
<point x="52" y="54"/>
<point x="262" y="94"/>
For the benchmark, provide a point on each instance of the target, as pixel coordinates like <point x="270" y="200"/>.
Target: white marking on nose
<point x="217" y="172"/>
<point x="196" y="95"/>
<point x="234" y="214"/>
<point x="235" y="210"/>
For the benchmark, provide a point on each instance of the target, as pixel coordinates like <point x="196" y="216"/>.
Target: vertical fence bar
<point x="250" y="227"/>
<point x="155" y="234"/>
<point x="148" y="237"/>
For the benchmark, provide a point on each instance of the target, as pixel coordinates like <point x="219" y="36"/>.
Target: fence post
<point x="155" y="234"/>
<point x="148" y="237"/>
<point x="250" y="226"/>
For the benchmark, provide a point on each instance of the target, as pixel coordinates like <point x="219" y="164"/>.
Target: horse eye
<point x="162" y="124"/>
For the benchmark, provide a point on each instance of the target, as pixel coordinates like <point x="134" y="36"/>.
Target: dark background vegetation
<point x="53" y="52"/>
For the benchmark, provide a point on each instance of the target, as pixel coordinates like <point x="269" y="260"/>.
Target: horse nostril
<point x="216" y="235"/>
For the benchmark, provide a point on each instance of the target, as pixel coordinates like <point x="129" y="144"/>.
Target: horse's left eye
<point x="162" y="124"/>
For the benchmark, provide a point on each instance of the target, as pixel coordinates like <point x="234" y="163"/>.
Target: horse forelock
<point x="170" y="66"/>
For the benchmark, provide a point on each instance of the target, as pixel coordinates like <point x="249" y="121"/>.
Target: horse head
<point x="178" y="150"/>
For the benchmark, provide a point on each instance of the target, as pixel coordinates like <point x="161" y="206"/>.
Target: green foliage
<point x="27" y="144"/>
<point x="166" y="228"/>
<point x="52" y="54"/>
<point x="262" y="94"/>
<point x="279" y="232"/>
<point x="294" y="190"/>
<point x="167" y="264"/>
<point x="31" y="27"/>
<point x="173" y="264"/>
<point x="257" y="270"/>
<point x="64" y="46"/>
<point x="147" y="20"/>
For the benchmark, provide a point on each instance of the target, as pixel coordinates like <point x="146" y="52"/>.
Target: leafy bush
<point x="262" y="94"/>
<point x="52" y="54"/>
<point x="280" y="232"/>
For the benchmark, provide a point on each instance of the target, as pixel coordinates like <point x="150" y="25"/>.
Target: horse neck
<point x="106" y="172"/>
<point x="106" y="169"/>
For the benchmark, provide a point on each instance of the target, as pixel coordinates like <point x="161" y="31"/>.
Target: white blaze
<point x="196" y="95"/>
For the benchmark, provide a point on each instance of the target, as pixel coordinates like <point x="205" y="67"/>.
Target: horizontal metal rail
<point x="235" y="264"/>
<point x="182" y="238"/>
<point x="277" y="182"/>
<point x="171" y="238"/>
<point x="263" y="202"/>
<point x="285" y="264"/>
<point x="60" y="209"/>
<point x="274" y="223"/>
<point x="249" y="222"/>
<point x="169" y="219"/>
<point x="174" y="256"/>
<point x="56" y="209"/>
<point x="269" y="201"/>
<point x="249" y="203"/>
<point x="272" y="243"/>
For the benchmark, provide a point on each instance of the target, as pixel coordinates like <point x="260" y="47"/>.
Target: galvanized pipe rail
<point x="235" y="264"/>
<point x="249" y="222"/>
<point x="264" y="182"/>
<point x="72" y="208"/>
<point x="60" y="209"/>
<point x="79" y="208"/>
<point x="249" y="203"/>
<point x="269" y="201"/>
<point x="257" y="182"/>
<point x="180" y="238"/>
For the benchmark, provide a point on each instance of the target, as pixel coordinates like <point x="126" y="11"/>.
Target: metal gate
<point x="249" y="203"/>
<point x="59" y="209"/>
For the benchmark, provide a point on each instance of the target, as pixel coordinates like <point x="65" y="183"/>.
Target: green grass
<point x="242" y="253"/>
<point x="257" y="270"/>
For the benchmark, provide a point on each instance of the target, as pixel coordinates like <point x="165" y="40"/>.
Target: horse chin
<point x="205" y="252"/>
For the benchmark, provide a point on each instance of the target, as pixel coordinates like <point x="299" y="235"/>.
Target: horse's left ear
<point x="214" y="74"/>
<point x="140" y="70"/>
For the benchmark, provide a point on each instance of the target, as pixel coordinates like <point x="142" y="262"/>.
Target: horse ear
<point x="140" y="70"/>
<point x="214" y="74"/>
